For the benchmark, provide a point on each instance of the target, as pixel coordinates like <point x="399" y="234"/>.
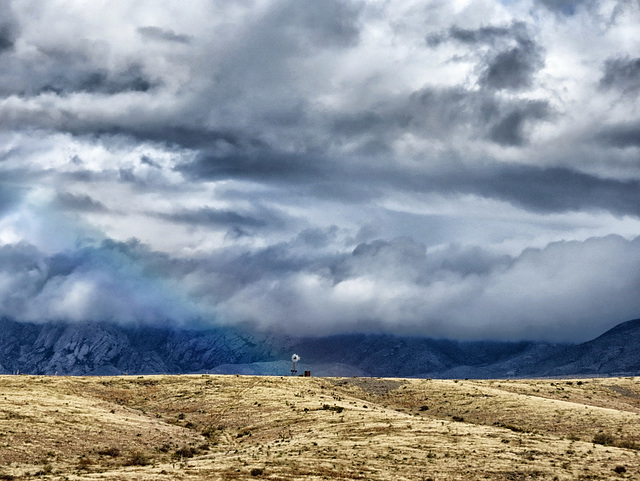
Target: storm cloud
<point x="461" y="171"/>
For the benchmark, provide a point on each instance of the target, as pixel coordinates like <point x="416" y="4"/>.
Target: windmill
<point x="295" y="358"/>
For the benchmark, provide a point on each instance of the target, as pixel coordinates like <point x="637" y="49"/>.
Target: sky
<point x="462" y="169"/>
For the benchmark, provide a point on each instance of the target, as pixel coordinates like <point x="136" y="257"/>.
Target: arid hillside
<point x="241" y="427"/>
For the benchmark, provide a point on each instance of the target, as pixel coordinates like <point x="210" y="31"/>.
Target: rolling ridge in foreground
<point x="245" y="427"/>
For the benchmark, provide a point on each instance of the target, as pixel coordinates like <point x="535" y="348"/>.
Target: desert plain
<point x="216" y="427"/>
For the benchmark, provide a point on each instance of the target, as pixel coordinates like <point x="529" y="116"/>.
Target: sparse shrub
<point x="209" y="432"/>
<point x="112" y="451"/>
<point x="627" y="444"/>
<point x="256" y="472"/>
<point x="458" y="419"/>
<point x="164" y="448"/>
<point x="620" y="469"/>
<point x="605" y="439"/>
<point x="186" y="452"/>
<point x="212" y="431"/>
<point x="424" y="408"/>
<point x="84" y="463"/>
<point x="47" y="469"/>
<point x="137" y="458"/>
<point x="337" y="409"/>
<point x="511" y="427"/>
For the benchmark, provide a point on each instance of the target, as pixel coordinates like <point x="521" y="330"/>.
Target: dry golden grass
<point x="243" y="427"/>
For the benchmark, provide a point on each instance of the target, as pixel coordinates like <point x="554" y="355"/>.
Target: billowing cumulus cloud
<point x="454" y="170"/>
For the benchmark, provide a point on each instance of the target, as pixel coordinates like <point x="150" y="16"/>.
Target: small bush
<point x="458" y="419"/>
<point x="337" y="409"/>
<point x="511" y="427"/>
<point x="256" y="472"/>
<point x="424" y="408"/>
<point x="7" y="477"/>
<point x="186" y="452"/>
<point x="627" y="444"/>
<point x="47" y="469"/>
<point x="112" y="451"/>
<point x="605" y="439"/>
<point x="620" y="469"/>
<point x="137" y="458"/>
<point x="212" y="431"/>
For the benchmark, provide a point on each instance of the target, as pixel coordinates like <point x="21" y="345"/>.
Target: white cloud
<point x="252" y="147"/>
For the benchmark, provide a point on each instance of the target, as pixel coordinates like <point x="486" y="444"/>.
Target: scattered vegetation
<point x="112" y="451"/>
<point x="222" y="427"/>
<point x="137" y="458"/>
<point x="603" y="438"/>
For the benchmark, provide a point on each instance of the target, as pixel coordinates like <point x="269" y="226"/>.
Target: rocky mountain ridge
<point x="109" y="349"/>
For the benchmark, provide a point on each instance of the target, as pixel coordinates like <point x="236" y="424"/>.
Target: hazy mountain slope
<point x="616" y="352"/>
<point x="90" y="348"/>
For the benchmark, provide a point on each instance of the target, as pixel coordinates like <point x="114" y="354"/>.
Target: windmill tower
<point x="295" y="358"/>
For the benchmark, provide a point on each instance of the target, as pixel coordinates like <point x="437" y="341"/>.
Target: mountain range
<point x="109" y="349"/>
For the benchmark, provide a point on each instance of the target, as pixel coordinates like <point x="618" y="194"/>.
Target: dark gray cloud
<point x="623" y="135"/>
<point x="6" y="37"/>
<point x="8" y="27"/>
<point x="79" y="202"/>
<point x="61" y="72"/>
<point x="443" y="113"/>
<point x="509" y="129"/>
<point x="566" y="7"/>
<point x="512" y="69"/>
<point x="163" y="34"/>
<point x="540" y="189"/>
<point x="537" y="189"/>
<point x="622" y="74"/>
<point x="264" y="164"/>
<point x="514" y="57"/>
<point x="10" y="196"/>
<point x="206" y="216"/>
<point x="483" y="35"/>
<point x="149" y="161"/>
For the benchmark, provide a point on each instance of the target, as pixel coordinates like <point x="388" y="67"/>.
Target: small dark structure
<point x="307" y="374"/>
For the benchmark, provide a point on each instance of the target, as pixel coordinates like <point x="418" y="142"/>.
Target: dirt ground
<point x="210" y="427"/>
